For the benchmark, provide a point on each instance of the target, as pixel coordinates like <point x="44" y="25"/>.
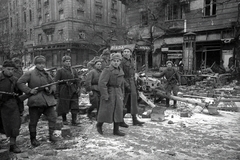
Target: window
<point x="39" y="37"/>
<point x="49" y="37"/>
<point x="173" y="12"/>
<point x="61" y="14"/>
<point x="11" y="22"/>
<point x="80" y="12"/>
<point x="47" y="17"/>
<point x="144" y="18"/>
<point x="30" y="34"/>
<point x="39" y="4"/>
<point x="25" y="17"/>
<point x="39" y="20"/>
<point x="30" y="15"/>
<point x="25" y="34"/>
<point x="210" y="7"/>
<point x="81" y="35"/>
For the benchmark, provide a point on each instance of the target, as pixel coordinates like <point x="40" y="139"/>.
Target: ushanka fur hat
<point x="64" y="58"/>
<point x="39" y="59"/>
<point x="8" y="63"/>
<point x="115" y="56"/>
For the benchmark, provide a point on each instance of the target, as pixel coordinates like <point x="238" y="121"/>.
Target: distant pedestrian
<point x="91" y="85"/>
<point x="173" y="80"/>
<point x="40" y="102"/>
<point x="67" y="92"/>
<point x="10" y="121"/>
<point x="111" y="86"/>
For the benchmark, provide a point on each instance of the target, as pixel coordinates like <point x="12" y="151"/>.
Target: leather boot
<point x="167" y="102"/>
<point x="34" y="141"/>
<point x="175" y="104"/>
<point x="123" y="124"/>
<point x="136" y="122"/>
<point x="64" y="119"/>
<point x="13" y="146"/>
<point x="99" y="127"/>
<point x="116" y="130"/>
<point x="74" y="119"/>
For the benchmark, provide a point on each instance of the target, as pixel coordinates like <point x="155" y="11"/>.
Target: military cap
<point x="16" y="60"/>
<point x="64" y="58"/>
<point x="115" y="56"/>
<point x="8" y="63"/>
<point x="169" y="62"/>
<point x="39" y="59"/>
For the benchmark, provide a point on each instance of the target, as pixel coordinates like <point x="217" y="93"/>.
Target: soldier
<point x="105" y="58"/>
<point x="130" y="98"/>
<point x="173" y="80"/>
<point x="111" y="83"/>
<point x="10" y="121"/>
<point x="67" y="92"/>
<point x="91" y="85"/>
<point x="18" y="72"/>
<point x="40" y="102"/>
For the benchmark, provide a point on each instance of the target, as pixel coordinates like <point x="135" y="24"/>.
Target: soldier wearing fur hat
<point x="173" y="80"/>
<point x="131" y="97"/>
<point x="111" y="85"/>
<point x="40" y="102"/>
<point x="91" y="85"/>
<point x="68" y="92"/>
<point x="9" y="112"/>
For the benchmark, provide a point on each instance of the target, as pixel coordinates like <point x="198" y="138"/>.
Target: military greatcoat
<point x="67" y="91"/>
<point x="9" y="112"/>
<point x="130" y="95"/>
<point x="111" y="86"/>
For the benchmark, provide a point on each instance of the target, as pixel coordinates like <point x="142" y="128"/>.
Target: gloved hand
<point x="33" y="91"/>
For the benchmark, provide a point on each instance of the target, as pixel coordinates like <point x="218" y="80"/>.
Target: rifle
<point x="9" y="93"/>
<point x="26" y="96"/>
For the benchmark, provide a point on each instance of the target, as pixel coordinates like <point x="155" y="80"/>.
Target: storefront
<point x="141" y="54"/>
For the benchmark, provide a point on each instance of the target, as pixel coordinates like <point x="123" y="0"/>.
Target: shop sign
<point x="144" y="48"/>
<point x="174" y="56"/>
<point x="121" y="47"/>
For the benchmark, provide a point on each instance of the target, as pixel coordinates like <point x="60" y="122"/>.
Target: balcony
<point x="176" y="25"/>
<point x="48" y="27"/>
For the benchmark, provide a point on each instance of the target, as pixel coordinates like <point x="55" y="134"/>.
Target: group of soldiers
<point x="110" y="83"/>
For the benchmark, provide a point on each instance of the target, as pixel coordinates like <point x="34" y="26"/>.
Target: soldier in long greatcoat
<point x="40" y="101"/>
<point x="9" y="112"/>
<point x="67" y="92"/>
<point x="111" y="86"/>
<point x="91" y="85"/>
<point x="105" y="58"/>
<point x="130" y="96"/>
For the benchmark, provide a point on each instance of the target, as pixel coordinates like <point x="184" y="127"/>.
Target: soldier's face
<point x="8" y="71"/>
<point x="169" y="65"/>
<point x="67" y="63"/>
<point x="18" y="64"/>
<point x="40" y="66"/>
<point x="98" y="65"/>
<point x="115" y="62"/>
<point x="127" y="53"/>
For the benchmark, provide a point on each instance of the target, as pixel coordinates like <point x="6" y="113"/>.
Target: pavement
<point x="198" y="137"/>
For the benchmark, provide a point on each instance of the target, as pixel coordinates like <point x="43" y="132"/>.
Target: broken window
<point x="210" y="7"/>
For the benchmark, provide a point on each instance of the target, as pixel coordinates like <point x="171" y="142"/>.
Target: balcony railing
<point x="176" y="25"/>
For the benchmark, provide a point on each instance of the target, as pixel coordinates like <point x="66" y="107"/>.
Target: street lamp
<point x="189" y="54"/>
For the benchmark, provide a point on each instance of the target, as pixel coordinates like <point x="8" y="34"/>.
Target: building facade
<point x="4" y="31"/>
<point x="53" y="28"/>
<point x="199" y="33"/>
